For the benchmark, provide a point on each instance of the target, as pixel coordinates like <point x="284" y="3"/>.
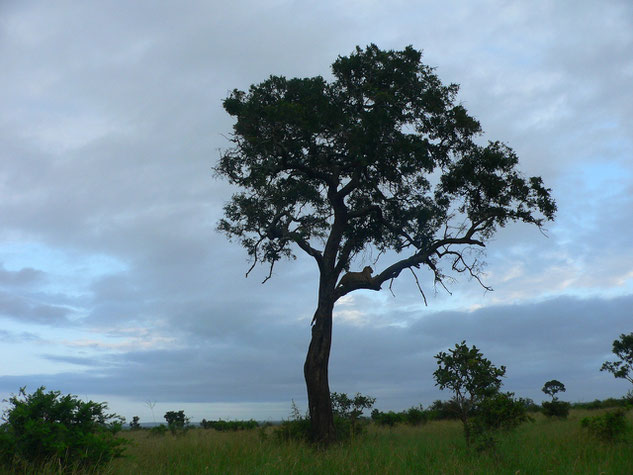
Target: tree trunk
<point x="316" y="375"/>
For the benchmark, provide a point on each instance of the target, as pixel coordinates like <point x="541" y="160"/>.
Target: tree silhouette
<point x="623" y="349"/>
<point x="381" y="158"/>
<point x="552" y="387"/>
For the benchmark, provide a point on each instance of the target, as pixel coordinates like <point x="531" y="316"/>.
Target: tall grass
<point x="540" y="447"/>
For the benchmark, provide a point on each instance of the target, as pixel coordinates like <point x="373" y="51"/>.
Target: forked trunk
<point x="316" y="375"/>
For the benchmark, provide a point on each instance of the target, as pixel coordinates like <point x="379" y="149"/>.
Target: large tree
<point x="381" y="157"/>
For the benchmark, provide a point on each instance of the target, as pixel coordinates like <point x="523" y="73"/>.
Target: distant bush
<point x="499" y="412"/>
<point x="441" y="410"/>
<point x="177" y="422"/>
<point x="556" y="408"/>
<point x="158" y="431"/>
<point x="347" y="419"/>
<point x="602" y="404"/>
<point x="413" y="416"/>
<point x="416" y="416"/>
<point x="134" y="425"/>
<point x="221" y="425"/>
<point x="296" y="428"/>
<point x="46" y="427"/>
<point x="389" y="418"/>
<point x="609" y="427"/>
<point x="347" y="413"/>
<point x="529" y="404"/>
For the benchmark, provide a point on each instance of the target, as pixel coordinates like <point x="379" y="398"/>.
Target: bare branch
<point x="417" y="282"/>
<point x="270" y="272"/>
<point x="390" y="284"/>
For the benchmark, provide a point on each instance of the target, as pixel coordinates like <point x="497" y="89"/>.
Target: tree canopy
<point x="552" y="387"/>
<point x="381" y="156"/>
<point x="623" y="349"/>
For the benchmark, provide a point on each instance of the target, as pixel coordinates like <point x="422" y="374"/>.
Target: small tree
<point x="351" y="409"/>
<point x="553" y="387"/>
<point x="134" y="425"/>
<point x="470" y="376"/>
<point x="623" y="349"/>
<point x="176" y="421"/>
<point x="555" y="408"/>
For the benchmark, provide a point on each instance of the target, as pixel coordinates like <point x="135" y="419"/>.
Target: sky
<point x="115" y="285"/>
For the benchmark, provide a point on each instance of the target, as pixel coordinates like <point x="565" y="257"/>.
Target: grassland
<point x="540" y="447"/>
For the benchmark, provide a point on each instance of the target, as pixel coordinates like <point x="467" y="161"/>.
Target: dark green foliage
<point x="296" y="428"/>
<point x="177" y="422"/>
<point x="347" y="419"/>
<point x="553" y="387"/>
<point x="158" y="431"/>
<point x="556" y="408"/>
<point x="529" y="404"/>
<point x="623" y="349"/>
<point x="441" y="410"/>
<point x="46" y="427"/>
<point x="603" y="404"/>
<point x="608" y="427"/>
<point x="224" y="426"/>
<point x="348" y="411"/>
<point x="366" y="142"/>
<point x="500" y="412"/>
<point x="134" y="425"/>
<point x="413" y="416"/>
<point x="386" y="418"/>
<point x="416" y="416"/>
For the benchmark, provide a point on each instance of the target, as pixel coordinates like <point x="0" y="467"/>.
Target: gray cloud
<point x="112" y="121"/>
<point x="564" y="338"/>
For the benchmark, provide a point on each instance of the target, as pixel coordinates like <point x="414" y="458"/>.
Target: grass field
<point x="540" y="447"/>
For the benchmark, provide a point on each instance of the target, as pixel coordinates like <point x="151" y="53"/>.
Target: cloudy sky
<point x="115" y="285"/>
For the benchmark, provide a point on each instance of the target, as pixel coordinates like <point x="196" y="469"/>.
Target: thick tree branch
<point x="421" y="257"/>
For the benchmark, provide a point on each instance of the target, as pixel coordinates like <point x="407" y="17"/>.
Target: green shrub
<point x="499" y="412"/>
<point x="609" y="427"/>
<point x="135" y="425"/>
<point x="442" y="410"/>
<point x="556" y="408"/>
<point x="158" y="431"/>
<point x="46" y="427"/>
<point x="387" y="418"/>
<point x="416" y="416"/>
<point x="221" y="425"/>
<point x="297" y="428"/>
<point x="177" y="422"/>
<point x="413" y="416"/>
<point x="347" y="413"/>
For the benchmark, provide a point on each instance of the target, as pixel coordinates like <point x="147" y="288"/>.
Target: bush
<point x="387" y="418"/>
<point x="500" y="412"/>
<point x="415" y="416"/>
<point x="46" y="427"/>
<point x="441" y="410"/>
<point x="158" y="431"/>
<point x="134" y="425"/>
<point x="609" y="427"/>
<point x="177" y="422"/>
<point x="297" y="428"/>
<point x="221" y="425"/>
<point x="556" y="408"/>
<point x="347" y="413"/>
